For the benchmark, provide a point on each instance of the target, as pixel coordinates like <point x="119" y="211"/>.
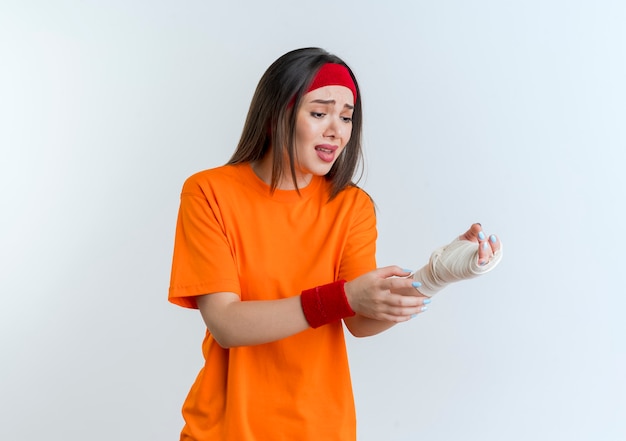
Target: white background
<point x="507" y="113"/>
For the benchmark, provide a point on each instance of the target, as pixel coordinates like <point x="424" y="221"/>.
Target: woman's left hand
<point x="487" y="245"/>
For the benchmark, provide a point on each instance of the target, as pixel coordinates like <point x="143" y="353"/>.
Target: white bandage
<point x="451" y="263"/>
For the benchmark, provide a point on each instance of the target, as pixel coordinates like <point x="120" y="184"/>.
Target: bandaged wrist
<point x="456" y="261"/>
<point x="325" y="304"/>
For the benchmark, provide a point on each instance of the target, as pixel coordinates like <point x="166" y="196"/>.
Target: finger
<point x="494" y="243"/>
<point x="391" y="271"/>
<point x="400" y="284"/>
<point x="473" y="233"/>
<point x="403" y="314"/>
<point x="393" y="300"/>
<point x="484" y="251"/>
<point x="399" y="318"/>
<point x="413" y="291"/>
<point x="395" y="318"/>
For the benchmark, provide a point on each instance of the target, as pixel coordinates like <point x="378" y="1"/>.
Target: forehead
<point x="340" y="94"/>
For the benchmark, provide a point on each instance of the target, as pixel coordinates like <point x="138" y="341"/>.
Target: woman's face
<point x="323" y="128"/>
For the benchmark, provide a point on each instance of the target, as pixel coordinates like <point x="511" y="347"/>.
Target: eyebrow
<point x="332" y="102"/>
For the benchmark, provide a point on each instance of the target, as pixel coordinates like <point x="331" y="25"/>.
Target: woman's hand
<point x="487" y="245"/>
<point x="386" y="294"/>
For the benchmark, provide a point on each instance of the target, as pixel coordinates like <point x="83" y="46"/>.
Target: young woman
<point x="277" y="250"/>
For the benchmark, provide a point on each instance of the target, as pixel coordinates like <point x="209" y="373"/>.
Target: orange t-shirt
<point x="233" y="235"/>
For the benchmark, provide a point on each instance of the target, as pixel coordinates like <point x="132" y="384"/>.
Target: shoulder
<point x="354" y="194"/>
<point x="224" y="176"/>
<point x="216" y="174"/>
<point x="354" y="202"/>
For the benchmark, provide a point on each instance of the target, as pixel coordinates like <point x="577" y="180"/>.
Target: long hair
<point x="271" y="120"/>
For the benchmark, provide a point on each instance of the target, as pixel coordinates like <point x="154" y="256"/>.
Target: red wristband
<point x="325" y="304"/>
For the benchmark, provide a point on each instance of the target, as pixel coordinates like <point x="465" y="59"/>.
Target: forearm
<point x="235" y="323"/>
<point x="381" y="298"/>
<point x="361" y="326"/>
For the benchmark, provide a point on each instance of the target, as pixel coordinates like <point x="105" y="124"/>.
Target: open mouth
<point x="326" y="153"/>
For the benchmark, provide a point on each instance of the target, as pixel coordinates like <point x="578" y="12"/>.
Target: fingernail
<point x="478" y="223"/>
<point x="426" y="301"/>
<point x="483" y="263"/>
<point x="407" y="270"/>
<point x="413" y="316"/>
<point x="493" y="238"/>
<point x="424" y="308"/>
<point x="416" y="284"/>
<point x="485" y="246"/>
<point x="481" y="235"/>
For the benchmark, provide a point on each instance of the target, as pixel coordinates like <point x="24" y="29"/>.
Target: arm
<point x="361" y="326"/>
<point x="233" y="322"/>
<point x="468" y="256"/>
<point x="236" y="323"/>
<point x="367" y="322"/>
<point x="381" y="299"/>
<point x="359" y="255"/>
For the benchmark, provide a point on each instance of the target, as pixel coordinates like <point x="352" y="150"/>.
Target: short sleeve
<point x="203" y="260"/>
<point x="359" y="256"/>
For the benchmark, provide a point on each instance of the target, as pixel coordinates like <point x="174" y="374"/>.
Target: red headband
<point x="333" y="74"/>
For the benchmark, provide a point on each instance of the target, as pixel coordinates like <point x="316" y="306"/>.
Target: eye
<point x="346" y="119"/>
<point x="317" y="114"/>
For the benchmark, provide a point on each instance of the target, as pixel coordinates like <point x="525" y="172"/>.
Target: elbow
<point x="224" y="339"/>
<point x="361" y="327"/>
<point x="357" y="331"/>
<point x="223" y="343"/>
<point x="360" y="333"/>
<point x="216" y="311"/>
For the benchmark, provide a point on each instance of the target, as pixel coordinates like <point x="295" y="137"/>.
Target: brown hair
<point x="271" y="119"/>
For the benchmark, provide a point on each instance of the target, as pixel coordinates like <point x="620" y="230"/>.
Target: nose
<point x="333" y="130"/>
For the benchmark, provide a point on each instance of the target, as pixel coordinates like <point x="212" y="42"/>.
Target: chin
<point x="322" y="171"/>
<point x="319" y="168"/>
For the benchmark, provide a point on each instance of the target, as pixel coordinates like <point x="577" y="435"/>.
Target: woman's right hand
<point x="386" y="294"/>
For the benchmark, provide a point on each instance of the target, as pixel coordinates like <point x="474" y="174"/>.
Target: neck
<point x="263" y="169"/>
